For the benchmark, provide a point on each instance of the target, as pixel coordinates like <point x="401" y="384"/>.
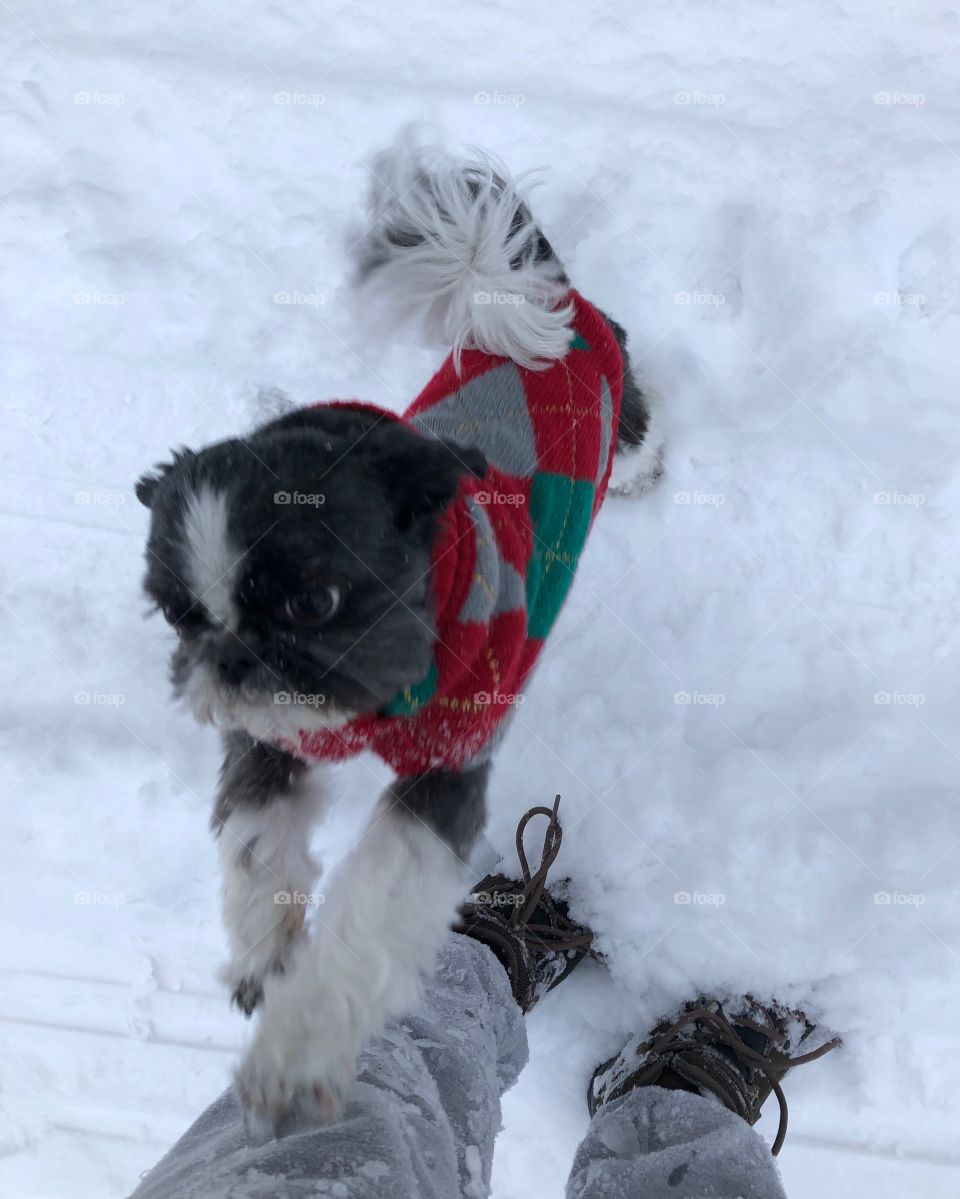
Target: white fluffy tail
<point x="452" y="246"/>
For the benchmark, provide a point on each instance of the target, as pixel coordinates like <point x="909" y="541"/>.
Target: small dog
<point x="345" y="579"/>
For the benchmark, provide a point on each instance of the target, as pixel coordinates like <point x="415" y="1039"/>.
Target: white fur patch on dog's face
<point x="212" y="558"/>
<point x="264" y="719"/>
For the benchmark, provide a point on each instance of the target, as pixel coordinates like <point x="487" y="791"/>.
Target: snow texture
<point x="749" y="705"/>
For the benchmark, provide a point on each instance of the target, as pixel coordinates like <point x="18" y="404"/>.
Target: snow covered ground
<point x="751" y="702"/>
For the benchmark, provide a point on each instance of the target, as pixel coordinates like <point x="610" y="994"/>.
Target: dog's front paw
<point x="247" y="993"/>
<point x="635" y="471"/>
<point x="274" y="1087"/>
<point x="247" y="975"/>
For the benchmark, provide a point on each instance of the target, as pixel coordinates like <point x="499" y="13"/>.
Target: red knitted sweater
<point x="507" y="548"/>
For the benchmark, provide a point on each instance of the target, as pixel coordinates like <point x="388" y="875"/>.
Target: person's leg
<point x="672" y="1112"/>
<point x="658" y="1144"/>
<point x="421" y="1118"/>
<point x="419" y="1121"/>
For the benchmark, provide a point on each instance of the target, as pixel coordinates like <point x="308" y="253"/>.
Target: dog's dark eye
<point x="316" y="606"/>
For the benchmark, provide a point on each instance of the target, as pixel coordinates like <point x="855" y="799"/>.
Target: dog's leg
<point x="262" y="819"/>
<point x="634" y="425"/>
<point x="379" y="930"/>
<point x="639" y="459"/>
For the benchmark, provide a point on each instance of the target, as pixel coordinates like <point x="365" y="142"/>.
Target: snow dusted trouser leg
<point x="420" y="1121"/>
<point x="658" y="1144"/>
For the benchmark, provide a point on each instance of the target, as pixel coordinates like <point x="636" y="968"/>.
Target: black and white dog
<point x="337" y="601"/>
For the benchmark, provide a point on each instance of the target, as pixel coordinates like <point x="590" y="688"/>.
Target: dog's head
<point x="294" y="566"/>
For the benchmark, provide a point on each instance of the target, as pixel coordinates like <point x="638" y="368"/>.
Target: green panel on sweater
<point x="560" y="511"/>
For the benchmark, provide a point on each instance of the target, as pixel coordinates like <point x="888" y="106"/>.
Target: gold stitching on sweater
<point x="555" y="550"/>
<point x="494" y="667"/>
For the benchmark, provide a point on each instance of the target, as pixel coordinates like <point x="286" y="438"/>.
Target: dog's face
<point x="294" y="567"/>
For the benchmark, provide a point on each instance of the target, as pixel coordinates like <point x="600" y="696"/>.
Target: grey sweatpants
<point x="421" y="1121"/>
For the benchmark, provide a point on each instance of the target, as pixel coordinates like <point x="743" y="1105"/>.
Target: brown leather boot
<point x="738" y="1050"/>
<point x="528" y="929"/>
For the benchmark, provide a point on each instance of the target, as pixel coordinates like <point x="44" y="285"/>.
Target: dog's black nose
<point x="234" y="665"/>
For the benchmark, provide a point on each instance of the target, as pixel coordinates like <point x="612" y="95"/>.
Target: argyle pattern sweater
<point x="507" y="547"/>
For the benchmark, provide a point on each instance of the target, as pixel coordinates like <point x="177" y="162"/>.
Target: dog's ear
<point x="421" y="474"/>
<point x="147" y="484"/>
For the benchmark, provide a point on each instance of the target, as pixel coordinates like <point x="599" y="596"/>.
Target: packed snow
<point x="749" y="705"/>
